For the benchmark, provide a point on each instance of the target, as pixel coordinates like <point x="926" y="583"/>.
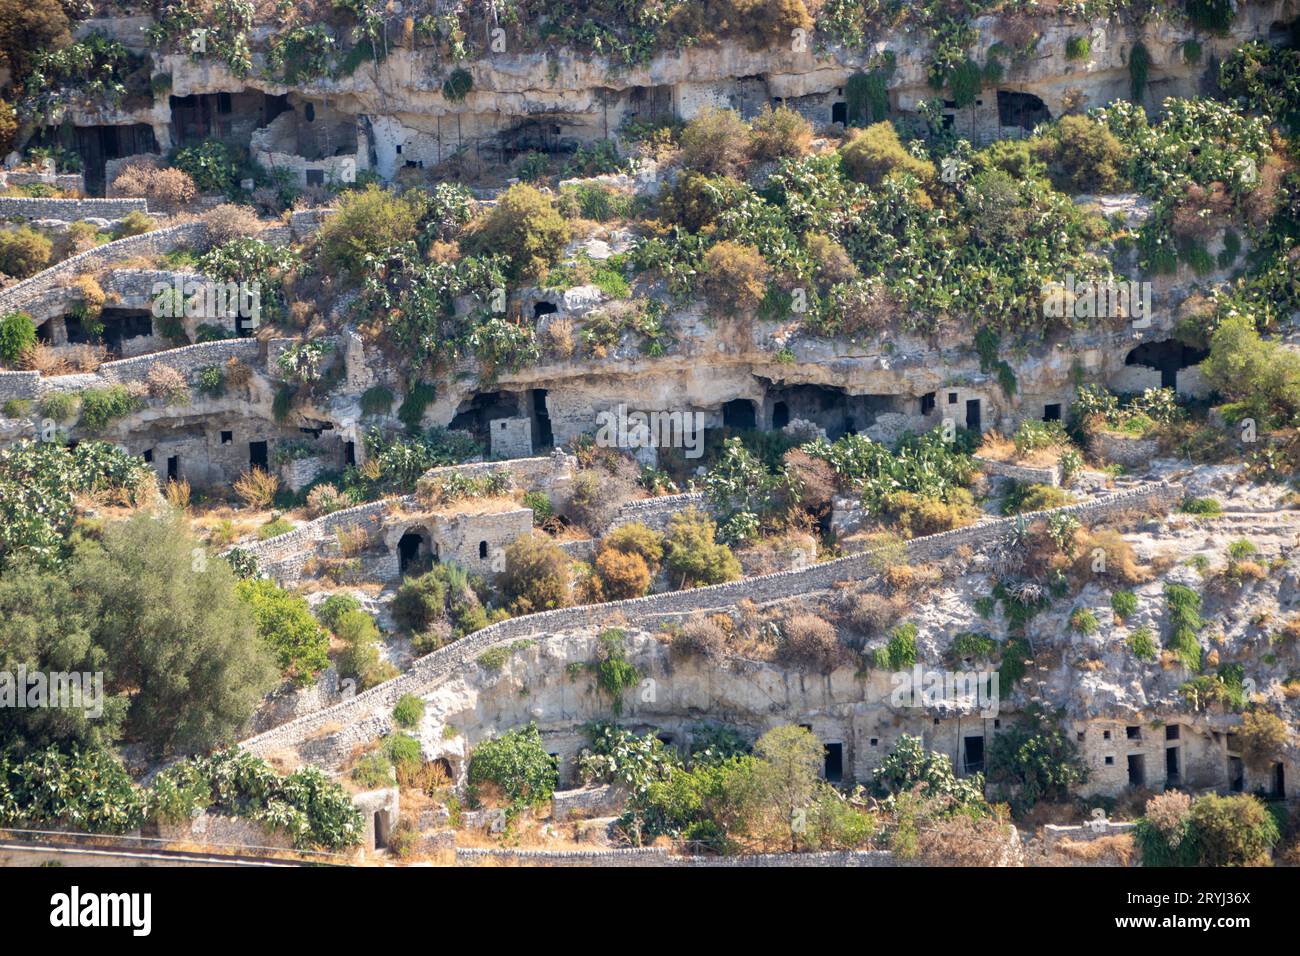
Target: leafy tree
<point x="517" y="764"/>
<point x="525" y="226"/>
<point x="23" y="252"/>
<point x="17" y="335"/>
<point x="1260" y="377"/>
<point x="788" y="773"/>
<point x="537" y="576"/>
<point x="369" y="222"/>
<point x="1082" y="156"/>
<point x="693" y="556"/>
<point x="1037" y="758"/>
<point x="285" y="623"/>
<point x="182" y="667"/>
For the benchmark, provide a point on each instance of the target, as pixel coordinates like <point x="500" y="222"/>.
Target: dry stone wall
<point x="69" y="210"/>
<point x="329" y="735"/>
<point x="157" y="242"/>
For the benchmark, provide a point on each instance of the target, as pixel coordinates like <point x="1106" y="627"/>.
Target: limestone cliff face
<point x="400" y="101"/>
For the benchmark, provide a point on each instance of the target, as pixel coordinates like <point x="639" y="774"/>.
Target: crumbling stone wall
<point x="368" y="715"/>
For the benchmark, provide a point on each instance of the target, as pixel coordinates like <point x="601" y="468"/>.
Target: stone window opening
<point x="1171" y="732"/>
<point x="482" y="550"/>
<point x="952" y="398"/>
<point x="875" y="741"/>
<point x="1052" y="412"/>
<point x="1109" y="761"/>
<point x="148" y="455"/>
<point x="1105" y="735"/>
<point x="227" y="438"/>
<point x="1133" y="733"/>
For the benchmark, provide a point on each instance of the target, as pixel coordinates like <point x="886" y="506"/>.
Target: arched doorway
<point x="415" y="551"/>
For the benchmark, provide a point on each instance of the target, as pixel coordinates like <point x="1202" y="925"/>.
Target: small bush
<point x="875" y="152"/>
<point x="1078" y="48"/>
<point x="1143" y="644"/>
<point x="537" y="576"/>
<point x="1124" y="604"/>
<point x="1082" y="156"/>
<point x="100" y="406"/>
<point x="17" y="336"/>
<point x="1207" y="507"/>
<point x="900" y="652"/>
<point x="1083" y="621"/>
<point x="23" y="252"/>
<point x="334" y="607"/>
<point x="692" y="554"/>
<point x="409" y="711"/>
<point x="526" y="226"/>
<point x="735" y="277"/>
<point x="714" y="142"/>
<point x="256" y="487"/>
<point x="779" y="134"/>
<point x="134" y="223"/>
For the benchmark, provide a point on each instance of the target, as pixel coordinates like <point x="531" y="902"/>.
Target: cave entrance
<point x="123" y="324"/>
<point x="834" y="763"/>
<point x="1021" y="109"/>
<point x="415" y="551"/>
<point x="974" y="418"/>
<point x="476" y="415"/>
<point x="739" y="413"/>
<point x="1137" y="770"/>
<point x="544" y="308"/>
<point x="974" y="754"/>
<point x="98" y="144"/>
<point x="1236" y="775"/>
<point x="1171" y="767"/>
<point x="381" y="829"/>
<point x="542" y="434"/>
<point x="1279" y="782"/>
<point x="780" y="415"/>
<point x="257" y="455"/>
<point x="1167" y="357"/>
<point x="840" y="113"/>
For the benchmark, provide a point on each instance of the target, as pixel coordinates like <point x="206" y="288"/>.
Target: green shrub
<point x="373" y="771"/>
<point x="377" y="400"/>
<point x="525" y="226"/>
<point x="17" y="408"/>
<point x="17" y="335"/>
<point x="537" y="575"/>
<point x="285" y="622"/>
<point x="134" y="223"/>
<point x="1078" y="48"/>
<point x="409" y="711"/>
<point x="1184" y="606"/>
<point x="458" y="84"/>
<point x="1082" y="156"/>
<point x="517" y="764"/>
<point x="100" y="406"/>
<point x="1143" y="644"/>
<point x="714" y="142"/>
<point x="334" y="607"/>
<point x="1036" y="759"/>
<point x="541" y="505"/>
<point x="692" y="554"/>
<point x="900" y="652"/>
<point x="1208" y="507"/>
<point x="368" y="222"/>
<point x="274" y="528"/>
<point x="1083" y="621"/>
<point x="59" y="407"/>
<point x="23" y="252"/>
<point x="1124" y="604"/>
<point x="212" y="165"/>
<point x="876" y="152"/>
